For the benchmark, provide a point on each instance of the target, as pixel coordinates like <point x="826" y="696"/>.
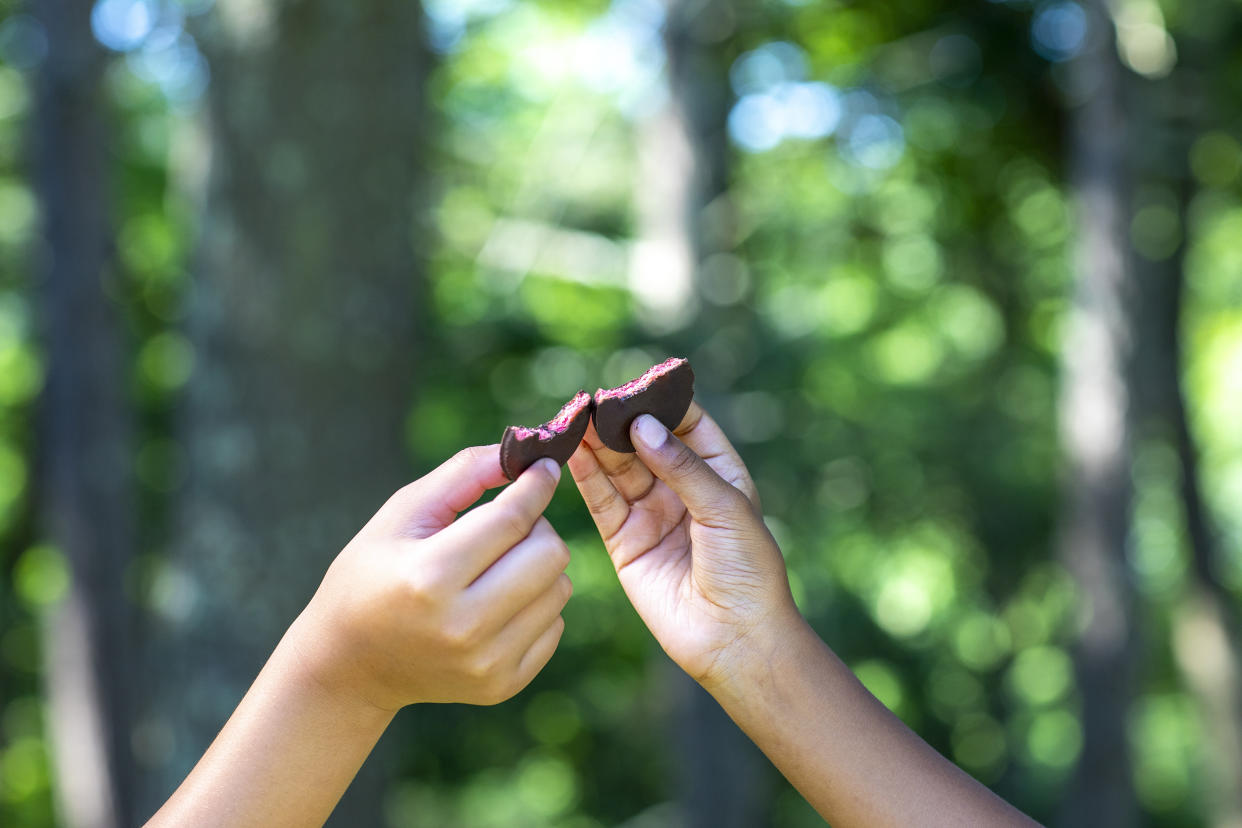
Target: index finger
<point x="479" y="537"/>
<point x="430" y="503"/>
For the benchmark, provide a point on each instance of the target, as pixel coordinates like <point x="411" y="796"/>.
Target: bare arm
<point x="286" y="755"/>
<point x="682" y="525"/>
<point x="422" y="606"/>
<point x="852" y="759"/>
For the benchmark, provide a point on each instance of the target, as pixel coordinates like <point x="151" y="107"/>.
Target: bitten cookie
<point x="663" y="391"/>
<point x="557" y="438"/>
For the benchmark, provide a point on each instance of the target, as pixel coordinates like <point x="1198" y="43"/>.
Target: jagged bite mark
<point x="557" y="438"/>
<point x="641" y="383"/>
<point x="663" y="391"/>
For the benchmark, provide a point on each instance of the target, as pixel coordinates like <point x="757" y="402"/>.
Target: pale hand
<point x="423" y="606"/>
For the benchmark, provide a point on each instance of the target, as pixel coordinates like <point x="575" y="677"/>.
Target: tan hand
<point x="680" y="520"/>
<point x="423" y="606"/>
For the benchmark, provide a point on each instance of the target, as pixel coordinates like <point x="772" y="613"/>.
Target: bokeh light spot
<point x="41" y="576"/>
<point x="21" y="373"/>
<point x="906" y="354"/>
<point x="903" y="607"/>
<point x="970" y="323"/>
<point x="1216" y="159"/>
<point x="553" y="718"/>
<point x="547" y="785"/>
<point x="1041" y="215"/>
<point x="1054" y="738"/>
<point x="1041" y="675"/>
<point x="758" y="70"/>
<point x="13" y="95"/>
<point x="760" y="121"/>
<point x="849" y="302"/>
<point x="122" y="25"/>
<point x="914" y="584"/>
<point x="1059" y="30"/>
<point x="875" y="142"/>
<point x="17" y="212"/>
<point x="166" y="361"/>
<point x="24" y="770"/>
<point x="981" y="641"/>
<point x="912" y="263"/>
<point x="174" y="64"/>
<point x="1166" y="737"/>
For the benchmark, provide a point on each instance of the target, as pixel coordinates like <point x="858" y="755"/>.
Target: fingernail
<point x="650" y="431"/>
<point x="553" y="467"/>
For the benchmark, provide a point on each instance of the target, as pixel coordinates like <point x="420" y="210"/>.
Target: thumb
<point x="709" y="498"/>
<point x="432" y="502"/>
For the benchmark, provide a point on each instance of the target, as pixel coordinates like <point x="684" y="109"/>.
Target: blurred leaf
<point x="41" y="577"/>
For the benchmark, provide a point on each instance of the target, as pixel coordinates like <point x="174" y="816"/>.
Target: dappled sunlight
<point x="857" y="222"/>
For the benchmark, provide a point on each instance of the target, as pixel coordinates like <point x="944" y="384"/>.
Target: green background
<point x="877" y="318"/>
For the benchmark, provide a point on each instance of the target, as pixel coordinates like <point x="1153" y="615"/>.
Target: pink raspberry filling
<point x="634" y="386"/>
<point x="559" y="423"/>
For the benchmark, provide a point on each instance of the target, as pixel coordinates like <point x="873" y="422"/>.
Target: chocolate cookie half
<point x="557" y="438"/>
<point x="663" y="391"/>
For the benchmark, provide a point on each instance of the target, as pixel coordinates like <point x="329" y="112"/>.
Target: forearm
<point x="853" y="760"/>
<point x="286" y="755"/>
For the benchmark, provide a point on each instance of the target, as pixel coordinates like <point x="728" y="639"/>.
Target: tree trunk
<point x="1095" y="424"/>
<point x="85" y="433"/>
<point x="1206" y="624"/>
<point x="684" y="218"/>
<point x="303" y="320"/>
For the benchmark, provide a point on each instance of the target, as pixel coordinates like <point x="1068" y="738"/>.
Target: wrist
<point x="748" y="664"/>
<point x="318" y="666"/>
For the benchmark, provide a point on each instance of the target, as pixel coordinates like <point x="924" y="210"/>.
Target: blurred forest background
<point x="963" y="281"/>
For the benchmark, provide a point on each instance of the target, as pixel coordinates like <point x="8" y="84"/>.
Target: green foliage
<point x="878" y="335"/>
<point x="28" y="578"/>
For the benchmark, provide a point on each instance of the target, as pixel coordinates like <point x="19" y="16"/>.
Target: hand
<point x="423" y="606"/>
<point x="682" y="525"/>
<point x="681" y="522"/>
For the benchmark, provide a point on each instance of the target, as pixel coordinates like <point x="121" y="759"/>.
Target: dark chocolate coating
<point x="516" y="455"/>
<point x="667" y="399"/>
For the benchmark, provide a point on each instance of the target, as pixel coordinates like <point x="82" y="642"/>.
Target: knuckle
<point x="462" y="634"/>
<point x="555" y="631"/>
<point x="735" y="499"/>
<point x="512" y="520"/>
<point x="409" y="493"/>
<point x="728" y="508"/>
<point x="542" y="533"/>
<point x="684" y="461"/>
<point x="422" y="586"/>
<point x="466" y="457"/>
<point x="560" y="554"/>
<point x="566" y="587"/>
<point x="481" y="667"/>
